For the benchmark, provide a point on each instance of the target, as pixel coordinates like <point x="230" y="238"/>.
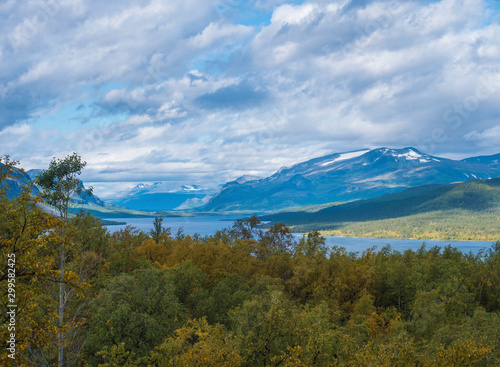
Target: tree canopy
<point x="246" y="296"/>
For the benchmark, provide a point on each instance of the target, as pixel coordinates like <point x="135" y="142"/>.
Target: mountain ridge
<point x="489" y="160"/>
<point x="348" y="176"/>
<point x="338" y="177"/>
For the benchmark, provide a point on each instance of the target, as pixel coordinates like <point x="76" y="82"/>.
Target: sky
<point x="202" y="92"/>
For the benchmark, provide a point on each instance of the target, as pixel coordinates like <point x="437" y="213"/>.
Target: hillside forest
<point x="462" y="211"/>
<point x="244" y="296"/>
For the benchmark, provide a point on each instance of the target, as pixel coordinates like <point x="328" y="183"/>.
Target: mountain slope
<point x="80" y="199"/>
<point x="19" y="179"/>
<point x="489" y="160"/>
<point x="473" y="195"/>
<point x="14" y="184"/>
<point x="443" y="211"/>
<point x="345" y="177"/>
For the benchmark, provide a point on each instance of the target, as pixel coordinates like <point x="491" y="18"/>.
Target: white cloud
<point x="18" y="130"/>
<point x="293" y="15"/>
<point x="487" y="137"/>
<point x="178" y="92"/>
<point x="220" y="33"/>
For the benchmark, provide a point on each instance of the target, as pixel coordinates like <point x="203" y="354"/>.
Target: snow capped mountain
<point x="365" y="157"/>
<point x="145" y="188"/>
<point x="360" y="174"/>
<point x="158" y="187"/>
<point x="161" y="196"/>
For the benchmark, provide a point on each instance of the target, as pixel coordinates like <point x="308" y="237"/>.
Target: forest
<point x="462" y="211"/>
<point x="446" y="225"/>
<point x="244" y="296"/>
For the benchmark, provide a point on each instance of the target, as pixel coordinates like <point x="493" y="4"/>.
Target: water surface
<point x="208" y="225"/>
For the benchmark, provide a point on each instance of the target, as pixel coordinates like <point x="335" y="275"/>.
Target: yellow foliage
<point x="198" y="344"/>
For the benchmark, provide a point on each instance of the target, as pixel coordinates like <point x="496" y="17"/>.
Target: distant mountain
<point x="489" y="160"/>
<point x="343" y="177"/>
<point x="159" y="196"/>
<point x="81" y="199"/>
<point x="19" y="179"/>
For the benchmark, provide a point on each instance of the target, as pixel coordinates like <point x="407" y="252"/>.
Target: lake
<point x="208" y="225"/>
<point x="204" y="225"/>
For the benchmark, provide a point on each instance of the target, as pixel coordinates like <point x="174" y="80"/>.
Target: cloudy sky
<point x="202" y="91"/>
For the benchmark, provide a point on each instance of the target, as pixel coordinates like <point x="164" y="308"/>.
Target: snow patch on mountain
<point x="346" y="156"/>
<point x="413" y="155"/>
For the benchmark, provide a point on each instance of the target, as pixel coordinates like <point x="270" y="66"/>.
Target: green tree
<point x="489" y="287"/>
<point x="278" y="238"/>
<point x="190" y="284"/>
<point x="309" y="279"/>
<point x="246" y="229"/>
<point x="137" y="309"/>
<point x="271" y="330"/>
<point x="311" y="244"/>
<point x="7" y="168"/>
<point x="158" y="231"/>
<point x="60" y="185"/>
<point x="122" y="254"/>
<point x="227" y="295"/>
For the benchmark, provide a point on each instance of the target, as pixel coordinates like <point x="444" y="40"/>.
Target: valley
<point x="378" y="193"/>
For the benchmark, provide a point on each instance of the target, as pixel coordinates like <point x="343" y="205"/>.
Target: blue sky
<point x="201" y="92"/>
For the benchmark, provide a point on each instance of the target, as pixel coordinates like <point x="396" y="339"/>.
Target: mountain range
<point x="159" y="196"/>
<point x="90" y="203"/>
<point x="343" y="177"/>
<point x="340" y="177"/>
<point x="141" y="200"/>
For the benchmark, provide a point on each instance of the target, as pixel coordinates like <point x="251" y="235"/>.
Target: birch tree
<point x="60" y="186"/>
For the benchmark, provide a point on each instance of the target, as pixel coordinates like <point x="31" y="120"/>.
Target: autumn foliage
<point x="244" y="297"/>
